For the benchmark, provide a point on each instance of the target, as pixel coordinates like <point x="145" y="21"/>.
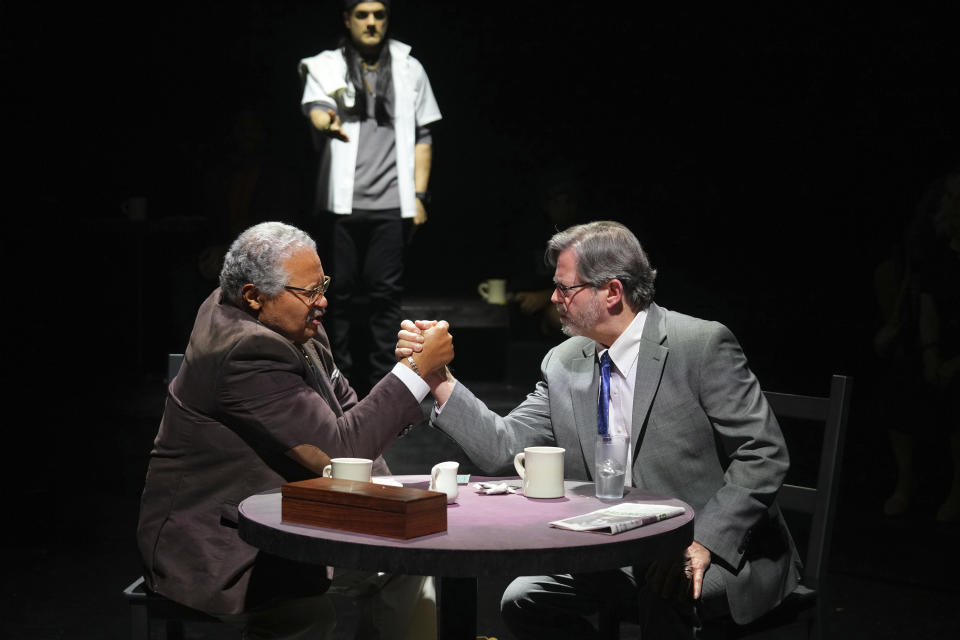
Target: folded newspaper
<point x="620" y="517"/>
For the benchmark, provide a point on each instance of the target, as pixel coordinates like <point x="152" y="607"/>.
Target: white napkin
<point x="492" y="488"/>
<point x="387" y="481"/>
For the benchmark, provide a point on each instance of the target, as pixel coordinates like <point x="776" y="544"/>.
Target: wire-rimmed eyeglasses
<point x="313" y="294"/>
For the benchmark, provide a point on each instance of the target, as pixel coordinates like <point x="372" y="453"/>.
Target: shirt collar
<point x="626" y="348"/>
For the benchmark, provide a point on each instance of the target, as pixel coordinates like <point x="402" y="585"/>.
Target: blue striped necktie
<point x="603" y="408"/>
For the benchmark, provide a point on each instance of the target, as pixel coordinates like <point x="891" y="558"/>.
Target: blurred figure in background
<point x="919" y="293"/>
<point x="369" y="103"/>
<point x="557" y="205"/>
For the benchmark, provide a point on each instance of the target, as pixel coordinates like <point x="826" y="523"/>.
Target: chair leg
<point x="608" y="624"/>
<point x="714" y="630"/>
<point x="139" y="622"/>
<point x="175" y="630"/>
<point x="815" y="623"/>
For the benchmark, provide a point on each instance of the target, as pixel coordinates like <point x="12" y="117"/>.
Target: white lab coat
<point x="414" y="106"/>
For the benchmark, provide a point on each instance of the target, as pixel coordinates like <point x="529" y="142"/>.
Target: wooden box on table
<point x="364" y="507"/>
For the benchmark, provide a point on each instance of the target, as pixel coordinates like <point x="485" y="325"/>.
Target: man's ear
<point x="346" y="19"/>
<point x="252" y="296"/>
<point x="614" y="293"/>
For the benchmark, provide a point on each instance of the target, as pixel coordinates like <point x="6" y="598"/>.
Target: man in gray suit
<point x="700" y="430"/>
<point x="258" y="402"/>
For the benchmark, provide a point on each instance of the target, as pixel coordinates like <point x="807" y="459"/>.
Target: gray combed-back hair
<point x="257" y="257"/>
<point x="606" y="250"/>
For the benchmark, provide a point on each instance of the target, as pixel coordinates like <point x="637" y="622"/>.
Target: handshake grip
<point x="436" y="349"/>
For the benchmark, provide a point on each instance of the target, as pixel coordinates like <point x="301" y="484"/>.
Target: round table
<point x="487" y="535"/>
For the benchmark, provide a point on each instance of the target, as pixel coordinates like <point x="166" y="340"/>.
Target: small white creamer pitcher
<point x="443" y="478"/>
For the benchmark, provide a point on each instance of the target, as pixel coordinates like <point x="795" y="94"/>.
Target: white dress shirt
<point x="411" y="381"/>
<point x="623" y="376"/>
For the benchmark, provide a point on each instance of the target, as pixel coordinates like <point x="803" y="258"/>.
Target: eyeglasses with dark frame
<point x="564" y="289"/>
<point x="380" y="14"/>
<point x="313" y="294"/>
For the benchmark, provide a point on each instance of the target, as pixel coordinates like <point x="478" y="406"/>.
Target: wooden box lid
<point x="364" y="507"/>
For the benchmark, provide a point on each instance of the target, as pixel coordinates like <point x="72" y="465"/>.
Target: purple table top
<point x="486" y="535"/>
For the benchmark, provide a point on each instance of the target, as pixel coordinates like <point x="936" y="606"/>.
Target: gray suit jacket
<point x="702" y="432"/>
<point x="244" y="396"/>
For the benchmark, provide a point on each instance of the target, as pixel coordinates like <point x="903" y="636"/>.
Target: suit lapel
<point x="317" y="370"/>
<point x="584" y="391"/>
<point x="653" y="355"/>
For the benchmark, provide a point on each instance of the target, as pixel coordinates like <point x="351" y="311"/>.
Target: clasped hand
<point x="429" y="343"/>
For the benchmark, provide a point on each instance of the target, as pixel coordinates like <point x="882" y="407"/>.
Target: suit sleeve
<point x="491" y="440"/>
<point x="749" y="437"/>
<point x="263" y="393"/>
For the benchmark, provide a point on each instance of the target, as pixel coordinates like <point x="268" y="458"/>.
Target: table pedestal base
<point x="457" y="608"/>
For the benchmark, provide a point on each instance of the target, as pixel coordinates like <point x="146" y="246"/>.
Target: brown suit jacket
<point x="243" y="397"/>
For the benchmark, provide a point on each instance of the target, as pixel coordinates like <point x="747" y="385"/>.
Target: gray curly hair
<point x="257" y="257"/>
<point x="605" y="251"/>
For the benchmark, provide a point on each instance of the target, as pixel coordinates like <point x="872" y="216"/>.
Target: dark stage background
<point x="767" y="157"/>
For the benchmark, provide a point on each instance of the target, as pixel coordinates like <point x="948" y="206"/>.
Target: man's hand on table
<point x="683" y="578"/>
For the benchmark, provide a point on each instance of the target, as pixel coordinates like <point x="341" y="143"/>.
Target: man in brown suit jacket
<point x="258" y="402"/>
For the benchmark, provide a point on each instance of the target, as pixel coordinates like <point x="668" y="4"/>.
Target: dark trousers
<point x="366" y="259"/>
<point x="535" y="607"/>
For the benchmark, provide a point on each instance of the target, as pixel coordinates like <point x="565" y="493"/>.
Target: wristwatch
<point x="423" y="196"/>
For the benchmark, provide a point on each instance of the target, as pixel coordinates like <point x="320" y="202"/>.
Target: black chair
<point x="804" y="607"/>
<point x="802" y="610"/>
<point x="174" y="361"/>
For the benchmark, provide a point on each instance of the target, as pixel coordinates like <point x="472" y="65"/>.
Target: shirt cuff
<point x="418" y="388"/>
<point x="437" y="407"/>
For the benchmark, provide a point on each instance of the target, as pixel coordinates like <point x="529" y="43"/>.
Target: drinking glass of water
<point x="611" y="459"/>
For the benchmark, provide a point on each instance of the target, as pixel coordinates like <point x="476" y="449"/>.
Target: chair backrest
<point x="820" y="501"/>
<point x="174" y="360"/>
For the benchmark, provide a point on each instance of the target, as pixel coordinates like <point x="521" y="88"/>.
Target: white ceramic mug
<point x="541" y="469"/>
<point x="493" y="291"/>
<point x="349" y="469"/>
<point x="443" y="478"/>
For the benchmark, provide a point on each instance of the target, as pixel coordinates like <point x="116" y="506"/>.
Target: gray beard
<point x="579" y="323"/>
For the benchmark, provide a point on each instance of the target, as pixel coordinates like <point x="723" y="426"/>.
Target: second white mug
<point x="541" y="469"/>
<point x="349" y="469"/>
<point x="493" y="290"/>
